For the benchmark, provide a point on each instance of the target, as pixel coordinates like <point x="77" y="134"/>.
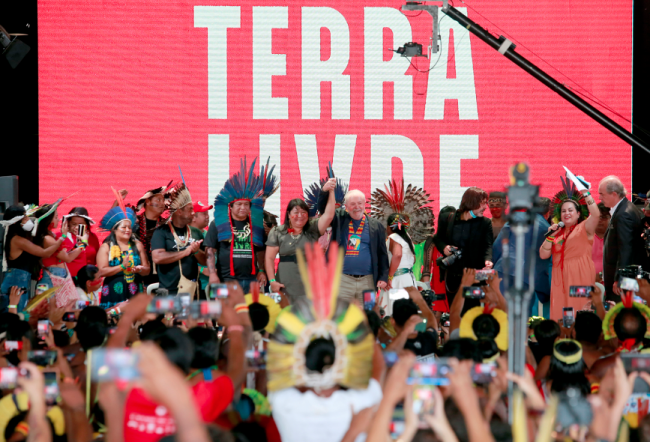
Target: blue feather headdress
<point x="117" y="214"/>
<point x="312" y="193"/>
<point x="270" y="182"/>
<point x="245" y="185"/>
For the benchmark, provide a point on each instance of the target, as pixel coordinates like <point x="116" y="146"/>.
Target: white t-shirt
<point x="306" y="417"/>
<point x="408" y="259"/>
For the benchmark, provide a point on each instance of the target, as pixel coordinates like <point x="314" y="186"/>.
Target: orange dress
<point x="578" y="270"/>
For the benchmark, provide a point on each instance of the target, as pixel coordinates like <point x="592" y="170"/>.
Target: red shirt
<point x="91" y="250"/>
<point x="66" y="244"/>
<point x="146" y="421"/>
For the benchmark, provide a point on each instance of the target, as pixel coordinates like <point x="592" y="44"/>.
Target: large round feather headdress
<point x="412" y="203"/>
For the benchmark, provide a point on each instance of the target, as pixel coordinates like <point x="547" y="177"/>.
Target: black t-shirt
<point x="243" y="258"/>
<point x="168" y="274"/>
<point x="425" y="344"/>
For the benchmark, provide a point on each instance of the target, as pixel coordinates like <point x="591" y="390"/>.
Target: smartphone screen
<point x="473" y="293"/>
<point x="580" y="291"/>
<point x="390" y="357"/>
<point x="256" y="359"/>
<point x="43" y="328"/>
<point x="82" y="304"/>
<point x="164" y="304"/>
<point x="567" y="316"/>
<point x="109" y="364"/>
<point x="430" y="373"/>
<point x="218" y="291"/>
<point x="51" y="388"/>
<point x="397" y="421"/>
<point x="422" y="326"/>
<point x="42" y="358"/>
<point x="69" y="317"/>
<point x="8" y="377"/>
<point x="13" y="345"/>
<point x="81" y="230"/>
<point x="369" y="299"/>
<point x="636" y="362"/>
<point x="629" y="284"/>
<point x="484" y="373"/>
<point x="423" y="402"/>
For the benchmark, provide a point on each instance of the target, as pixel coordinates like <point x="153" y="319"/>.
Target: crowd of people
<point x="347" y="319"/>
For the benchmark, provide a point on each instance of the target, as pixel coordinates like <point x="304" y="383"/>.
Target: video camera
<point x="447" y="261"/>
<point x="523" y="197"/>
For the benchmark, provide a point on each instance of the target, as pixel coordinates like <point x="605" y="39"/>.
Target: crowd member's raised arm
<point x="394" y="392"/>
<point x="459" y="301"/>
<point x="34" y="386"/>
<point x="237" y="322"/>
<point x="134" y="310"/>
<point x="464" y="395"/>
<point x="167" y="386"/>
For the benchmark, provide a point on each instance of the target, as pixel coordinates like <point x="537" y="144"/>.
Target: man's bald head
<point x="611" y="190"/>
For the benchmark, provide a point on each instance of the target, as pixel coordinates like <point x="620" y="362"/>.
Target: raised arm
<point x="328" y="215"/>
<point x="594" y="214"/>
<point x="26" y="245"/>
<point x="459" y="301"/>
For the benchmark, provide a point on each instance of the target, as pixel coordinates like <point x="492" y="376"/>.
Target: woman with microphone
<point x="571" y="244"/>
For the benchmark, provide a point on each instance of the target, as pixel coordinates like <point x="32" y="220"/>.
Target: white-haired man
<point x="623" y="242"/>
<point x="365" y="266"/>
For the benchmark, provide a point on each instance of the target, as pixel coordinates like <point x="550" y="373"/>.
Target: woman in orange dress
<point x="571" y="246"/>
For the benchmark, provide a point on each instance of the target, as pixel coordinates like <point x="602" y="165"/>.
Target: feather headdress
<point x="176" y="198"/>
<point x="468" y="324"/>
<point x="263" y="309"/>
<point x="49" y="209"/>
<point x="568" y="192"/>
<point x="312" y="193"/>
<point x="270" y="182"/>
<point x="117" y="214"/>
<point x="412" y="204"/>
<point x="245" y="185"/>
<point x="627" y="302"/>
<point x="150" y="193"/>
<point x="320" y="315"/>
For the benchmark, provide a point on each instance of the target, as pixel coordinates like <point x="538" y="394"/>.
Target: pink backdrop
<point x="125" y="95"/>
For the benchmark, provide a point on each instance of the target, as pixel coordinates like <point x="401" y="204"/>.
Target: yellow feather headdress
<point x="321" y="315"/>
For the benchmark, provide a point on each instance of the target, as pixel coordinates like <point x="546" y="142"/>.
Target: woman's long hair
<point x="296" y="202"/>
<point x="112" y="239"/>
<point x="546" y="332"/>
<point x="565" y="376"/>
<point x="401" y="231"/>
<point x="15" y="229"/>
<point x="43" y="227"/>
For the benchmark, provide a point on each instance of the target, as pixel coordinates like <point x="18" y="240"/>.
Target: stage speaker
<point x="8" y="192"/>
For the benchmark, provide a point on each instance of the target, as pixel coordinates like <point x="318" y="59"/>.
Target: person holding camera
<point x="465" y="238"/>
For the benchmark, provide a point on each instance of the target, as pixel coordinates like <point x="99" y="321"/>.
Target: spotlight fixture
<point x="13" y="50"/>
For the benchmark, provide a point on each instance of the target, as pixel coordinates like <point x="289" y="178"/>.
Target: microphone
<point x="560" y="225"/>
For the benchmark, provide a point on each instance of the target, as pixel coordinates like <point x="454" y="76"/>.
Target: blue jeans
<point x="15" y="278"/>
<point x="56" y="271"/>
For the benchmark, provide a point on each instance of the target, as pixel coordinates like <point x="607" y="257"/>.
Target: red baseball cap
<point x="199" y="207"/>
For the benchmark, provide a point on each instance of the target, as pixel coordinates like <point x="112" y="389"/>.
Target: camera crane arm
<point x="506" y="48"/>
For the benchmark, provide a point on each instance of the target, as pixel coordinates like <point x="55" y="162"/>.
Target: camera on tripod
<point x="448" y="261"/>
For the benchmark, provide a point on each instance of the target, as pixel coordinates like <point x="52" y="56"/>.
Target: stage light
<point x="13" y="50"/>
